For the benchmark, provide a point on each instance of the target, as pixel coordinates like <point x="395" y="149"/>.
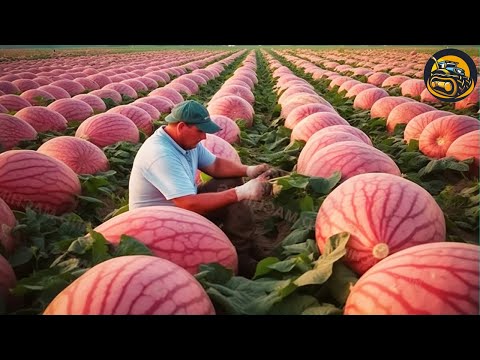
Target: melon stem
<point x="380" y="251"/>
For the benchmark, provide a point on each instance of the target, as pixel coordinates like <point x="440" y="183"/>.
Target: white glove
<point x="255" y="170"/>
<point x="254" y="189"/>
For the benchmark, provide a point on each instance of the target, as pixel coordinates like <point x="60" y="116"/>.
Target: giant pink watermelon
<point x="8" y="279"/>
<point x="133" y="285"/>
<point x="29" y="177"/>
<point x="42" y="119"/>
<point x="7" y="223"/>
<point x="383" y="213"/>
<point x="13" y="130"/>
<point x="234" y="107"/>
<point x="439" y="278"/>
<point x="181" y="236"/>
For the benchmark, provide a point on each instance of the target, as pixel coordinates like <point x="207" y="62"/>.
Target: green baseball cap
<point x="192" y="112"/>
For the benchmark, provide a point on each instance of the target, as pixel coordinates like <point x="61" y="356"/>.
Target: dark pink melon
<point x="88" y="84"/>
<point x="122" y="89"/>
<point x="437" y="136"/>
<point x="178" y="235"/>
<point x="230" y="131"/>
<point x="72" y="109"/>
<point x="43" y="119"/>
<point x="439" y="278"/>
<point x="80" y="155"/>
<point x="162" y="104"/>
<point x="139" y="116"/>
<point x="9" y="88"/>
<point x="151" y="84"/>
<point x="234" y="107"/>
<point x="133" y="285"/>
<point x="100" y="79"/>
<point x="7" y="223"/>
<point x="189" y="83"/>
<point x="150" y="109"/>
<point x="13" y="102"/>
<point x="136" y="85"/>
<point x="383" y="213"/>
<point x="180" y="88"/>
<point x="72" y="87"/>
<point x="416" y="125"/>
<point x="29" y="177"/>
<point x="351" y="158"/>
<point x="171" y="94"/>
<point x="365" y="99"/>
<point x="8" y="279"/>
<point x="108" y="129"/>
<point x="104" y="94"/>
<point x="13" y="130"/>
<point x="95" y="102"/>
<point x="403" y="113"/>
<point x="315" y="122"/>
<point x="37" y="97"/>
<point x="56" y="91"/>
<point x="25" y="84"/>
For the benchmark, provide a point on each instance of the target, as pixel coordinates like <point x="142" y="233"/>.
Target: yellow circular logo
<point x="450" y="75"/>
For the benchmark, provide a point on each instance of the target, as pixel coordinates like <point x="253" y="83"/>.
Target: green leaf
<point x="341" y="281"/>
<point x="306" y="221"/>
<point x="99" y="248"/>
<point x="443" y="164"/>
<point x="213" y="273"/>
<point x="294" y="304"/>
<point x="413" y="145"/>
<point x="325" y="185"/>
<point x="285" y="265"/>
<point x="205" y="177"/>
<point x="21" y="256"/>
<point x="296" y="236"/>
<point x="263" y="266"/>
<point x="323" y="309"/>
<point x="130" y="246"/>
<point x="81" y="245"/>
<point x="306" y="203"/>
<point x="307" y="247"/>
<point x="90" y="199"/>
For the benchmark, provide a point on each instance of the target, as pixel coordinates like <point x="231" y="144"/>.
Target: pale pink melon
<point x="122" y="89"/>
<point x="150" y="83"/>
<point x="13" y="130"/>
<point x="28" y="177"/>
<point x="100" y="79"/>
<point x="357" y="89"/>
<point x="233" y="81"/>
<point x="338" y="81"/>
<point x="162" y="104"/>
<point x="439" y="278"/>
<point x="315" y="122"/>
<point x="416" y="125"/>
<point x="108" y="129"/>
<point x="189" y="83"/>
<point x="237" y="90"/>
<point x="163" y="74"/>
<point x="230" y="131"/>
<point x="72" y="109"/>
<point x="43" y="119"/>
<point x="403" y="113"/>
<point x="470" y="101"/>
<point x="199" y="80"/>
<point x="437" y="136"/>
<point x="316" y="143"/>
<point x="377" y="78"/>
<point x="133" y="285"/>
<point x="88" y="84"/>
<point x="245" y="79"/>
<point x="180" y="88"/>
<point x="72" y="87"/>
<point x="37" y="97"/>
<point x="56" y="91"/>
<point x="395" y="80"/>
<point x="291" y="83"/>
<point x="220" y="148"/>
<point x="43" y="80"/>
<point x="95" y="102"/>
<point x="465" y="147"/>
<point x="135" y="84"/>
<point x="246" y="72"/>
<point x="9" y="88"/>
<point x="171" y="94"/>
<point x="295" y="90"/>
<point x="300" y="93"/>
<point x="181" y="236"/>
<point x="383" y="213"/>
<point x="303" y="111"/>
<point x="413" y="87"/>
<point x="204" y="72"/>
<point x="139" y="116"/>
<point x="25" y="84"/>
<point x="382" y="107"/>
<point x="150" y="109"/>
<point x="13" y="102"/>
<point x="350" y="158"/>
<point x="347" y="85"/>
<point x="425" y="96"/>
<point x="111" y="94"/>
<point x="234" y="107"/>
<point x="365" y="99"/>
<point x="293" y="102"/>
<point x="80" y="155"/>
<point x="8" y="279"/>
<point x="7" y="223"/>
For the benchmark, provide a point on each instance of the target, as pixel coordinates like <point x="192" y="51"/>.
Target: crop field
<point x="375" y="210"/>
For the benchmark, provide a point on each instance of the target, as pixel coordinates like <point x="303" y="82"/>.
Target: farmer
<point x="164" y="171"/>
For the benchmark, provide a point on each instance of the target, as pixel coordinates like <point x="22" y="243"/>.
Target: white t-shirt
<point x="162" y="170"/>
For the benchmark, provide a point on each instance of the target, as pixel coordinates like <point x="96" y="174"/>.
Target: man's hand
<point x="254" y="189"/>
<point x="255" y="170"/>
<point x="273" y="173"/>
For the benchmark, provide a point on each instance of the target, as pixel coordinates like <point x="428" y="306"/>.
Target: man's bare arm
<point x="223" y="168"/>
<point x="206" y="202"/>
